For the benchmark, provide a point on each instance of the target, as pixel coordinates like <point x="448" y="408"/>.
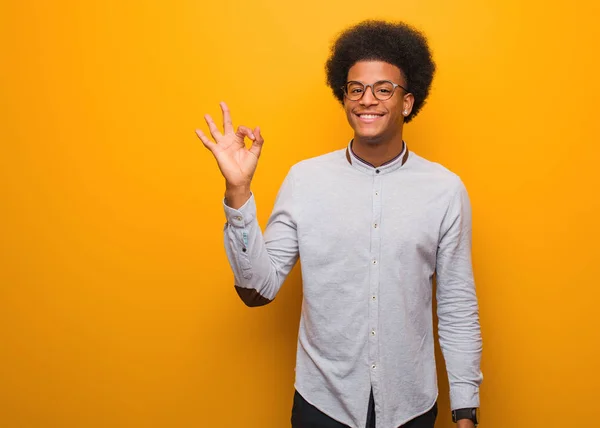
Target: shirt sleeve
<point x="457" y="307"/>
<point x="260" y="263"/>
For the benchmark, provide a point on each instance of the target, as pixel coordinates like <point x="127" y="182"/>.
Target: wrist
<point x="465" y="423"/>
<point x="236" y="196"/>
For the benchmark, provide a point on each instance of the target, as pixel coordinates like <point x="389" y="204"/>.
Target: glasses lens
<point x="354" y="90"/>
<point x="383" y="90"/>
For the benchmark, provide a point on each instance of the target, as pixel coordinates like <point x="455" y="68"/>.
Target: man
<point x="371" y="224"/>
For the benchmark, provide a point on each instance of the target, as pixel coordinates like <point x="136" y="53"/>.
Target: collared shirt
<point x="370" y="240"/>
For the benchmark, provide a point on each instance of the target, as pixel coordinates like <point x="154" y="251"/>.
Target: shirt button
<point x="373" y="366"/>
<point x="375" y="226"/>
<point x="376" y="193"/>
<point x="372" y="332"/>
<point x="374" y="262"/>
<point x="238" y="218"/>
<point x="377" y="171"/>
<point x="373" y="298"/>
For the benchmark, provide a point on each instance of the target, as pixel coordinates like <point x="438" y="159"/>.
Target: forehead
<point x="372" y="71"/>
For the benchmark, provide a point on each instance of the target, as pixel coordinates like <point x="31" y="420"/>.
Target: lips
<point x="368" y="117"/>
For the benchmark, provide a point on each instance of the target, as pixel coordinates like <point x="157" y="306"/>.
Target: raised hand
<point x="236" y="162"/>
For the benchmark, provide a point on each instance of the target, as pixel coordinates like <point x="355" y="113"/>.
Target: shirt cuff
<point x="464" y="397"/>
<point x="243" y="216"/>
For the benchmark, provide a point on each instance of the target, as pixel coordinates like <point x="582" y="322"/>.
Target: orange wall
<point x="117" y="306"/>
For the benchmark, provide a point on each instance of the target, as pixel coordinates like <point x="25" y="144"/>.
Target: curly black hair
<point x="396" y="43"/>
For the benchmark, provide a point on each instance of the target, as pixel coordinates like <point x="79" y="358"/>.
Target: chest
<point x="375" y="215"/>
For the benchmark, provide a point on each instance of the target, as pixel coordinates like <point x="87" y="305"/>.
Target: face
<point x="376" y="121"/>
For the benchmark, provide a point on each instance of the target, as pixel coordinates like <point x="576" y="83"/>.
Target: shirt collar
<point x="387" y="167"/>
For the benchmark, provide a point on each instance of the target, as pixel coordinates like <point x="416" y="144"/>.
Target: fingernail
<point x="252" y="136"/>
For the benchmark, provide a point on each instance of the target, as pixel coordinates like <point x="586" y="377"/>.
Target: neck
<point x="377" y="152"/>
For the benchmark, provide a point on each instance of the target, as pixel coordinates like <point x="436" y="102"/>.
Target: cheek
<point x="396" y="110"/>
<point x="348" y="110"/>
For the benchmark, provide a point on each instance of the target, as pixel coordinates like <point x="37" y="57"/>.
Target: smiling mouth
<point x="369" y="117"/>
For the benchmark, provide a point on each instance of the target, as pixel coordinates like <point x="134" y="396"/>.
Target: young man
<point x="371" y="224"/>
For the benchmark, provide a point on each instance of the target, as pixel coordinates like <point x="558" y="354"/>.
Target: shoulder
<point x="434" y="173"/>
<point x="319" y="164"/>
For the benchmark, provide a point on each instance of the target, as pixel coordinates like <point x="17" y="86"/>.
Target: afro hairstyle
<point x="396" y="43"/>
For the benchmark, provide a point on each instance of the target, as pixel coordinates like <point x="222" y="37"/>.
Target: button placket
<point x="374" y="277"/>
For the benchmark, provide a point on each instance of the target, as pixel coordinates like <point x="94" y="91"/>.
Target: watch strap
<point x="468" y="413"/>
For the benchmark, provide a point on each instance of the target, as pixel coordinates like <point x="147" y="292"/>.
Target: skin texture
<point x="377" y="140"/>
<point x="465" y="423"/>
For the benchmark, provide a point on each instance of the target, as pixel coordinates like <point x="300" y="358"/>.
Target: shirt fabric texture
<point x="370" y="240"/>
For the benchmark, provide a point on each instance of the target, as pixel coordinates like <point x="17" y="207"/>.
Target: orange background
<point x="117" y="306"/>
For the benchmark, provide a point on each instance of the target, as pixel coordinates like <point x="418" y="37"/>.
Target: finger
<point x="258" y="135"/>
<point x="214" y="131"/>
<point x="244" y="131"/>
<point x="205" y="140"/>
<point x="257" y="144"/>
<point x="227" y="124"/>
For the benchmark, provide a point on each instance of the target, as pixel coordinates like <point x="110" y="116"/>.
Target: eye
<point x="354" y="88"/>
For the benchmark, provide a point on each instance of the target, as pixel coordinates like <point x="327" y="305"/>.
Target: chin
<point x="368" y="132"/>
<point x="370" y="138"/>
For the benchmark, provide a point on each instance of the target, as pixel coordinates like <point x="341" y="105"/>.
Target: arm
<point x="259" y="264"/>
<point x="457" y="308"/>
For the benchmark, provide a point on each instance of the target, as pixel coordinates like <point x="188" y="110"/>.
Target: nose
<point x="368" y="97"/>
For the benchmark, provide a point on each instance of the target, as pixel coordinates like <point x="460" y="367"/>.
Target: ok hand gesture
<point x="236" y="162"/>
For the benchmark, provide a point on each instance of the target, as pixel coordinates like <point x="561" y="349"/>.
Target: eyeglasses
<point x="382" y="90"/>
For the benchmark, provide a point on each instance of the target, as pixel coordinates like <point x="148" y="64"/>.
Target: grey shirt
<point x="369" y="241"/>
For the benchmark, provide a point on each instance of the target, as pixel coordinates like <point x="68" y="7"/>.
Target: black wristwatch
<point x="471" y="413"/>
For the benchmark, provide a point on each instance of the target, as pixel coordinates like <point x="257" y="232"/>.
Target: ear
<point x="407" y="105"/>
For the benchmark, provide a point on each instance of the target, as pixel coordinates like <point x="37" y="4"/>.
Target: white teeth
<point x="369" y="116"/>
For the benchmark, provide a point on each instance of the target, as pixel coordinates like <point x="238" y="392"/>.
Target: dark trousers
<point x="305" y="415"/>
